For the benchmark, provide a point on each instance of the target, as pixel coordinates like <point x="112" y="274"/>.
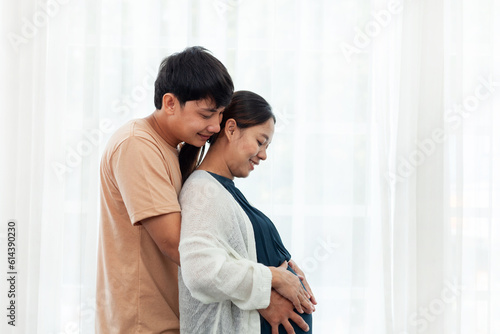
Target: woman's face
<point x="249" y="147"/>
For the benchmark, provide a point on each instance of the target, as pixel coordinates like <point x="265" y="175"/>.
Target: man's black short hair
<point x="193" y="74"/>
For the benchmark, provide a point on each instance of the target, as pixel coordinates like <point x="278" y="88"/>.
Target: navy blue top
<point x="269" y="247"/>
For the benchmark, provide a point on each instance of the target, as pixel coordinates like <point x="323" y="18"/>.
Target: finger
<point x="299" y="321"/>
<point x="309" y="303"/>
<point x="275" y="329"/>
<point x="296" y="268"/>
<point x="303" y="301"/>
<point x="313" y="300"/>
<point x="309" y="290"/>
<point x="307" y="306"/>
<point x="298" y="305"/>
<point x="304" y="294"/>
<point x="288" y="327"/>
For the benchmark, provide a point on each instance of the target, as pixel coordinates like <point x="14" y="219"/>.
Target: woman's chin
<point x="243" y="175"/>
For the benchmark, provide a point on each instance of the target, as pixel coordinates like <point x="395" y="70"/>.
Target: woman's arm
<point x="214" y="263"/>
<point x="214" y="274"/>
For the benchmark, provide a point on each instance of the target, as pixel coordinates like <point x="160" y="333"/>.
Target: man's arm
<point x="280" y="311"/>
<point x="165" y="230"/>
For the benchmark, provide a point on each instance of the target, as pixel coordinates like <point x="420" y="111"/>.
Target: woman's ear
<point x="230" y="128"/>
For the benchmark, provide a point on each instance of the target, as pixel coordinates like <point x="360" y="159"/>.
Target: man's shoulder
<point x="136" y="140"/>
<point x="134" y="128"/>
<point x="138" y="132"/>
<point x="121" y="134"/>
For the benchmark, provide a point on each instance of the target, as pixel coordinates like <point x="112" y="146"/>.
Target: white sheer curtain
<point x="382" y="177"/>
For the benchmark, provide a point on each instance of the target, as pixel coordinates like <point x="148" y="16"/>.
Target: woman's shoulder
<point x="202" y="196"/>
<point x="201" y="185"/>
<point x="199" y="178"/>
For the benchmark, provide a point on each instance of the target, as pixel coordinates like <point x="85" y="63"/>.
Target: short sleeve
<point x="144" y="178"/>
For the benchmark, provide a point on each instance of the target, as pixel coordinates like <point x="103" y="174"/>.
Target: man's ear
<point x="168" y="103"/>
<point x="230" y="128"/>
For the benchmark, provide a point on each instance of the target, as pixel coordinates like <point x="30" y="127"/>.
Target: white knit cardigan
<point x="221" y="285"/>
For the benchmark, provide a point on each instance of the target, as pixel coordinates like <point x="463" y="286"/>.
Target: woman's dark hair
<point x="246" y="108"/>
<point x="191" y="75"/>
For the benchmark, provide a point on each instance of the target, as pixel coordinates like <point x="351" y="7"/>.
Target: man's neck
<point x="159" y="125"/>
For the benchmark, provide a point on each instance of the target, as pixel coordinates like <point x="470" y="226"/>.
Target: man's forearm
<point x="165" y="230"/>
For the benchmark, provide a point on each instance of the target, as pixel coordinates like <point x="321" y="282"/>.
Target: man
<point x="140" y="182"/>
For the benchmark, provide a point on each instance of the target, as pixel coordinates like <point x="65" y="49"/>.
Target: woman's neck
<point x="215" y="162"/>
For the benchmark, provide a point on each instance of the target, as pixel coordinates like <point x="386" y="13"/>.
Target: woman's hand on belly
<point x="302" y="277"/>
<point x="289" y="286"/>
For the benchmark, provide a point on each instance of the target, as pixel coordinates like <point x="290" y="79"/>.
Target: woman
<point x="231" y="253"/>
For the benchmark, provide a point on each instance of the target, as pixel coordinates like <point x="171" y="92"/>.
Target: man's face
<point x="197" y="121"/>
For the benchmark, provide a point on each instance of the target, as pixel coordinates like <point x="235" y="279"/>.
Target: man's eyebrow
<point x="209" y="109"/>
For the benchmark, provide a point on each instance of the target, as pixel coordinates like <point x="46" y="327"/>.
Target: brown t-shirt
<point x="137" y="288"/>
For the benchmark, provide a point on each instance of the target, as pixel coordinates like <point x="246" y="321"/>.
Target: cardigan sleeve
<point x="214" y="257"/>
